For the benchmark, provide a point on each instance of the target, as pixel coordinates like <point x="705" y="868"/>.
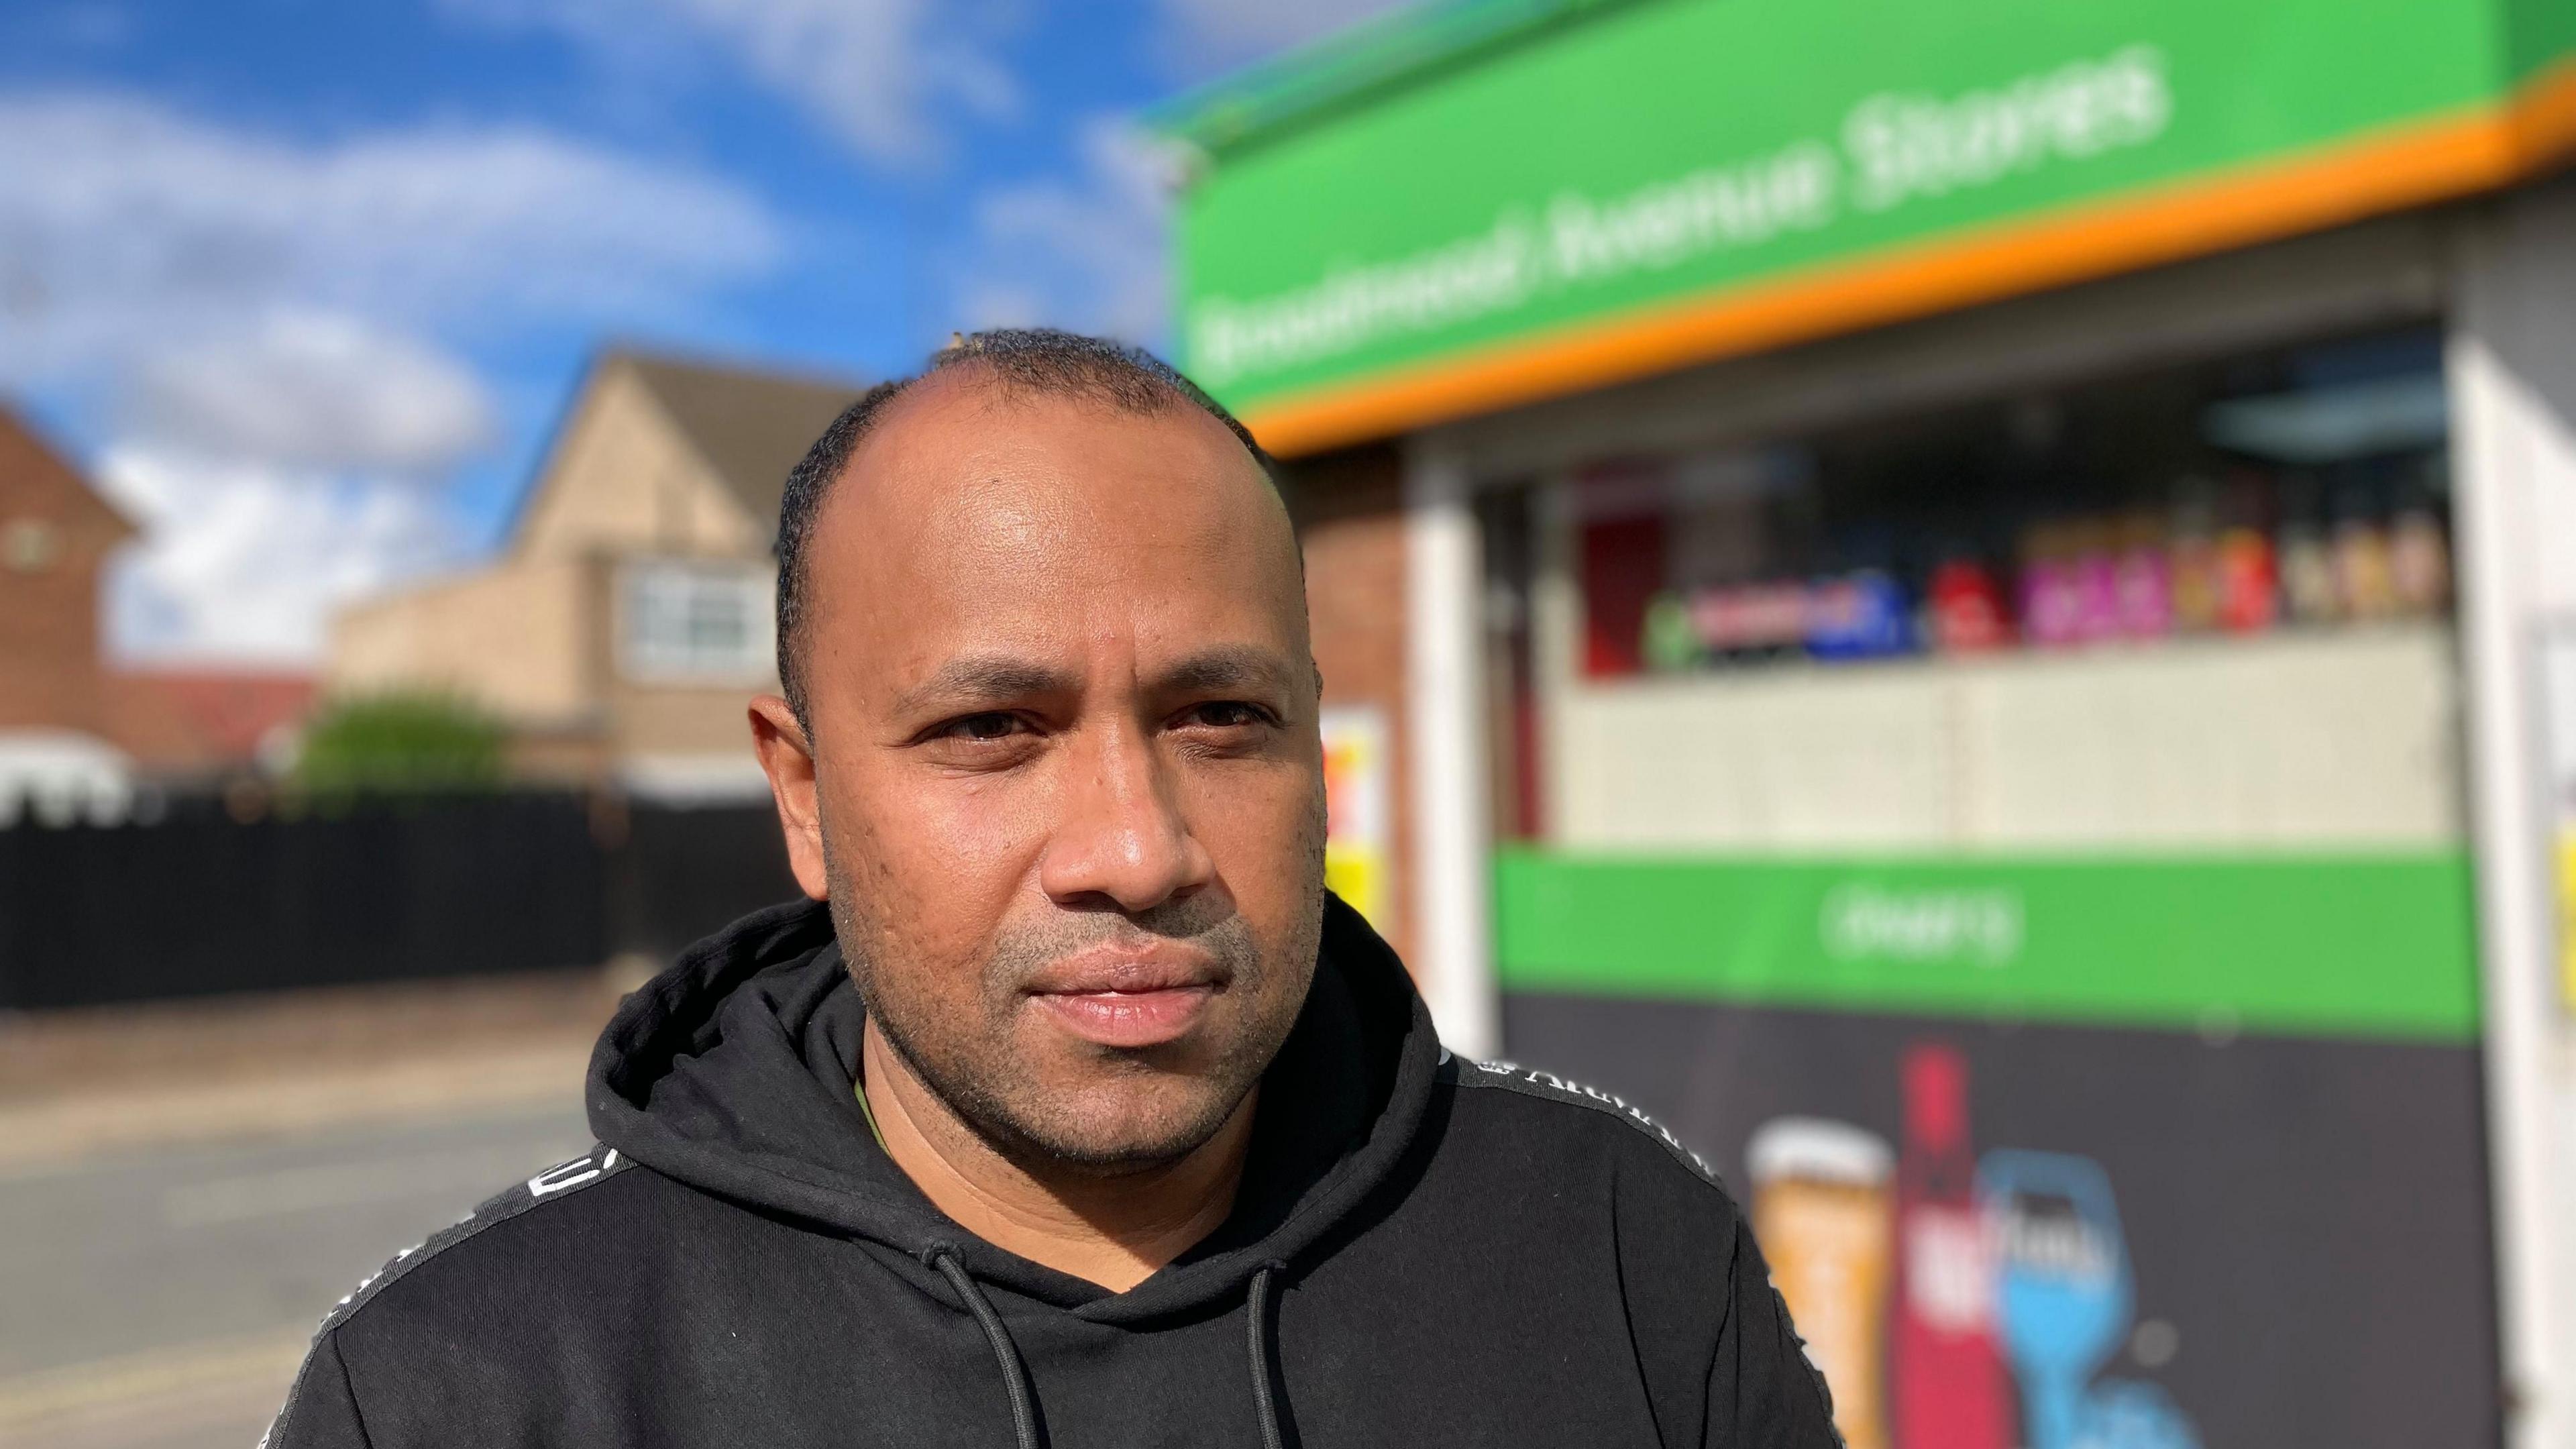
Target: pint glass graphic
<point x="1948" y="1389"/>
<point x="1826" y="1215"/>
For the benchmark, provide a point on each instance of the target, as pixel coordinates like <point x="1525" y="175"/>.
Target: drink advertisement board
<point x="2018" y="1211"/>
<point x="2122" y="1240"/>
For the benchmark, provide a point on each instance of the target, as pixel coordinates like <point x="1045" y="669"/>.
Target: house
<point x="55" y="535"/>
<point x="57" y="704"/>
<point x="629" y="617"/>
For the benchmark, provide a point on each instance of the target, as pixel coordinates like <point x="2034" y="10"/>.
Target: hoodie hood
<point x="732" y="1072"/>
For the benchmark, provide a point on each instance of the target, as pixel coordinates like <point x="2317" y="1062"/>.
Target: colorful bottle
<point x="1967" y="609"/>
<point x="1860" y="615"/>
<point x="1671" y="645"/>
<point x="2419" y="558"/>
<point x="2308" y="591"/>
<point x="2052" y="605"/>
<point x="2094" y="574"/>
<point x="2144" y="585"/>
<point x="2306" y="559"/>
<point x="2194" y="559"/>
<point x="2248" y="578"/>
<point x="1947" y="1384"/>
<point x="2365" y="576"/>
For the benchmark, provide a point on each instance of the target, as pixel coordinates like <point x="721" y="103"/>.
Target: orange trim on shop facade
<point x="2543" y="117"/>
<point x="2424" y="162"/>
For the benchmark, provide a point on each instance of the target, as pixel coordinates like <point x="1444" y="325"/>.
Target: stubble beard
<point x="978" y="1073"/>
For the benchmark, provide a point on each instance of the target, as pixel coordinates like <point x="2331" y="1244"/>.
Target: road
<point x="161" y="1296"/>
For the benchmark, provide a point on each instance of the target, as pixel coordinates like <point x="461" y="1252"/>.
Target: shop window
<point x="697" y="623"/>
<point x="2300" y="489"/>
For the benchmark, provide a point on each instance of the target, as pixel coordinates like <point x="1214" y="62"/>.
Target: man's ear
<point x="787" y="757"/>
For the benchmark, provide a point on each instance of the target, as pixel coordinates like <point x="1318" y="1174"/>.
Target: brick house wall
<point x="1349" y="510"/>
<point x="55" y="535"/>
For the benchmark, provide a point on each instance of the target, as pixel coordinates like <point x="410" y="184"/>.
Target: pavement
<point x="186" y="1190"/>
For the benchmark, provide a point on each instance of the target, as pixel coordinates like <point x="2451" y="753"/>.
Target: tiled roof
<point x="751" y="427"/>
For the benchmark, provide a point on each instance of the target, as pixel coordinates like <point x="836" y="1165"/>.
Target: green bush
<point x="400" y="743"/>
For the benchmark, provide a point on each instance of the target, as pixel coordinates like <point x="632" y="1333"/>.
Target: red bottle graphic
<point x="1948" y="1386"/>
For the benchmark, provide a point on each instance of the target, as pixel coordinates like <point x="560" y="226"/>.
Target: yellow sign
<point x="1358" y="836"/>
<point x="2567" y="916"/>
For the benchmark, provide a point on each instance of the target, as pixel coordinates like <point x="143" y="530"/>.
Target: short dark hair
<point x="1024" y="361"/>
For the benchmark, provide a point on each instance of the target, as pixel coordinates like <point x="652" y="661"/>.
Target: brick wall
<point x="1349" y="509"/>
<point x="54" y="538"/>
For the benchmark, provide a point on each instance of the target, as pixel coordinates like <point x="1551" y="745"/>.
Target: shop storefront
<point x="1978" y="586"/>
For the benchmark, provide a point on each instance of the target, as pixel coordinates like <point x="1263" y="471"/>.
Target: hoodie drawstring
<point x="1258" y="1302"/>
<point x="1256" y="1307"/>
<point x="1015" y="1375"/>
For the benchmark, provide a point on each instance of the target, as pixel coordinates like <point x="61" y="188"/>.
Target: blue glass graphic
<point x="2126" y="1414"/>
<point x="2061" y="1281"/>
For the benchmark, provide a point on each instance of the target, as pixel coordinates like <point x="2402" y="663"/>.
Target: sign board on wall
<point x="1657" y="183"/>
<point x="2377" y="943"/>
<point x="2047" y="1236"/>
<point x="2060" y="1153"/>
<point x="1358" y="809"/>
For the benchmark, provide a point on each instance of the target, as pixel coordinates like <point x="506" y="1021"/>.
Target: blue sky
<point x="303" y="283"/>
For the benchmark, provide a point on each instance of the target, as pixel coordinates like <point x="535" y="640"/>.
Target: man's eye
<point x="1229" y="714"/>
<point x="991" y="726"/>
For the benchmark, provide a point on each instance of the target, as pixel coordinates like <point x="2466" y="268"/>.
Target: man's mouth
<point x="1129" y="999"/>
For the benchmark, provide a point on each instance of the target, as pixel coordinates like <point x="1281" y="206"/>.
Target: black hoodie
<point x="1423" y="1250"/>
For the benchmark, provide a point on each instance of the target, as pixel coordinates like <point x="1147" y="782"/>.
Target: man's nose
<point x="1122" y="838"/>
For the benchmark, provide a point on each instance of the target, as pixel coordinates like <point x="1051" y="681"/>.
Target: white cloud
<point x="244" y="562"/>
<point x="1087" y="252"/>
<point x="124" y="224"/>
<point x="312" y="390"/>
<point x="874" y="73"/>
<point x="1203" y="37"/>
<point x="270" y="327"/>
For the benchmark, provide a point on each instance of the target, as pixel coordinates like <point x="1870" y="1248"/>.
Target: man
<point x="1081" y="1115"/>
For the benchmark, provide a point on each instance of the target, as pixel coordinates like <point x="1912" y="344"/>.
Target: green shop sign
<point x="1489" y="203"/>
<point x="2357" y="945"/>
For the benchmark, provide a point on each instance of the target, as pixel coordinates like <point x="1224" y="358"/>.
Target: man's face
<point x="1067" y="784"/>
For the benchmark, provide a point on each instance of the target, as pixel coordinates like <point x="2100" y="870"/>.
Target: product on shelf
<point x="2309" y="593"/>
<point x="1966" y="608"/>
<point x="2365" y="577"/>
<point x="1670" y="644"/>
<point x="2248" y="581"/>
<point x="2094" y="575"/>
<point x="2052" y="606"/>
<point x="2197" y="589"/>
<point x="1750" y="620"/>
<point x="1858" y="616"/>
<point x="2419" y="559"/>
<point x="2143" y="584"/>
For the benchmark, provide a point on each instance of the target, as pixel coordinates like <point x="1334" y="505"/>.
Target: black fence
<point x="201" y="901"/>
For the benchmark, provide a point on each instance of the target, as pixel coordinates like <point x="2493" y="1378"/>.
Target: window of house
<point x="28" y="545"/>
<point x="697" y="623"/>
